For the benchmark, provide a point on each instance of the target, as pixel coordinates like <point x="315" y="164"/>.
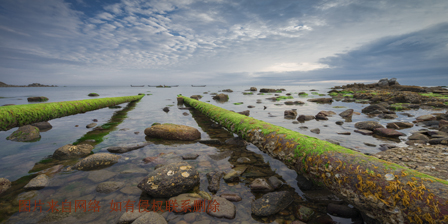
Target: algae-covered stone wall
<point x="382" y="190"/>
<point x="18" y="115"/>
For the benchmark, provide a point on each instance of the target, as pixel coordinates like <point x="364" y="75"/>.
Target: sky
<point x="223" y="42"/>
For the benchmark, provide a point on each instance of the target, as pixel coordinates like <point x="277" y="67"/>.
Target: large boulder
<point x="221" y="97"/>
<point x="368" y="125"/>
<point x="383" y="82"/>
<point x="25" y="133"/>
<point x="303" y="118"/>
<point x="271" y="203"/>
<point x="173" y="132"/>
<point x="170" y="180"/>
<point x="72" y="151"/>
<point x="96" y="161"/>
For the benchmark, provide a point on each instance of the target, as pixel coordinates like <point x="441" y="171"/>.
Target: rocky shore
<point x="2" y="84"/>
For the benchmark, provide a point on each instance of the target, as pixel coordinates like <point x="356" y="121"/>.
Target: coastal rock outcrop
<point x="173" y="132"/>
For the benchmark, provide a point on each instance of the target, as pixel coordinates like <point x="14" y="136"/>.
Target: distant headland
<point x="2" y="84"/>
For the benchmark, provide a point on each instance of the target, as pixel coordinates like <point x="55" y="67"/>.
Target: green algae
<point x="314" y="93"/>
<point x="284" y="98"/>
<point x="333" y="94"/>
<point x="237" y="103"/>
<point x="19" y="115"/>
<point x="303" y="94"/>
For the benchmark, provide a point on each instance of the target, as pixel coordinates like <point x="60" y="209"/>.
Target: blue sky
<point x="216" y="42"/>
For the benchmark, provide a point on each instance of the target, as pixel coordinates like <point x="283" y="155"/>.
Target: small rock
<point x="109" y="186"/>
<point x="213" y="180"/>
<point x="344" y="133"/>
<point x="226" y="209"/>
<point x="150" y="217"/>
<point x="260" y="185"/>
<point x="96" y="161"/>
<point x="304" y="213"/>
<point x="339" y="122"/>
<point x="43" y="126"/>
<point x="130" y="216"/>
<point x="275" y="182"/>
<point x="91" y="125"/>
<point x="166" y="109"/>
<point x="387" y="132"/>
<point x="364" y="132"/>
<point x="315" y="130"/>
<point x="72" y="151"/>
<point x="5" y="184"/>
<point x="25" y="133"/>
<point x="271" y="203"/>
<point x="368" y="125"/>
<point x="190" y="156"/>
<point x="231" y="197"/>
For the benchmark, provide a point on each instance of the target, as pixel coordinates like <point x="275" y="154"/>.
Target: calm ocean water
<point x="18" y="158"/>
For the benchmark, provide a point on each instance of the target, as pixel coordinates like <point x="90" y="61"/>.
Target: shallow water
<point x="18" y="159"/>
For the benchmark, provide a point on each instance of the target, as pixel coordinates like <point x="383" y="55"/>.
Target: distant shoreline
<point x="2" y="84"/>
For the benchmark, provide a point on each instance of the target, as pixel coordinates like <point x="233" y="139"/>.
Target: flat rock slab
<point x="170" y="180"/>
<point x="127" y="148"/>
<point x="38" y="182"/>
<point x="271" y="203"/>
<point x="150" y="217"/>
<point x="96" y="161"/>
<point x="364" y="132"/>
<point x="234" y="174"/>
<point x="109" y="186"/>
<point x="72" y="151"/>
<point x="25" y="133"/>
<point x="231" y="197"/>
<point x="223" y="209"/>
<point x="260" y="185"/>
<point x="100" y="175"/>
<point x="221" y="156"/>
<point x="43" y="126"/>
<point x="387" y="132"/>
<point x="173" y="132"/>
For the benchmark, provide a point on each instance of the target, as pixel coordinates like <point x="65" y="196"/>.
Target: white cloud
<point x="290" y="67"/>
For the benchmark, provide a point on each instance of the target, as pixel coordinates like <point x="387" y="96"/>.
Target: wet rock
<point x="173" y="132"/>
<point x="72" y="151"/>
<point x="190" y="156"/>
<point x="243" y="160"/>
<point x="221" y="156"/>
<point x="38" y="182"/>
<point x="388" y="116"/>
<point x="226" y="209"/>
<point x="344" y="133"/>
<point x="303" y="118"/>
<point x="342" y="211"/>
<point x="96" y="161"/>
<point x="127" y="148"/>
<point x="196" y="97"/>
<point x="37" y="99"/>
<point x="427" y="117"/>
<point x="315" y="130"/>
<point x="289" y="103"/>
<point x="100" y="175"/>
<point x="321" y="116"/>
<point x="321" y="196"/>
<point x="227" y="90"/>
<point x="364" y="132"/>
<point x="372" y="108"/>
<point x="339" y="122"/>
<point x="437" y="141"/>
<point x="387" y="132"/>
<point x="129" y="216"/>
<point x="303" y="213"/>
<point x="304" y="184"/>
<point x="109" y="186"/>
<point x="43" y="126"/>
<point x="321" y="100"/>
<point x="150" y="217"/>
<point x="271" y="203"/>
<point x="347" y="113"/>
<point x="154" y="160"/>
<point x="236" y="141"/>
<point x="25" y="133"/>
<point x="369" y="144"/>
<point x="368" y="125"/>
<point x="170" y="180"/>
<point x="5" y="184"/>
<point x="260" y="185"/>
<point x="290" y="114"/>
<point x="214" y="179"/>
<point x="185" y="202"/>
<point x="400" y="125"/>
<point x="91" y="125"/>
<point x="234" y="174"/>
<point x="253" y="89"/>
<point x="221" y="97"/>
<point x="246" y="112"/>
<point x="231" y="197"/>
<point x="250" y="106"/>
<point x="166" y="109"/>
<point x="275" y="182"/>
